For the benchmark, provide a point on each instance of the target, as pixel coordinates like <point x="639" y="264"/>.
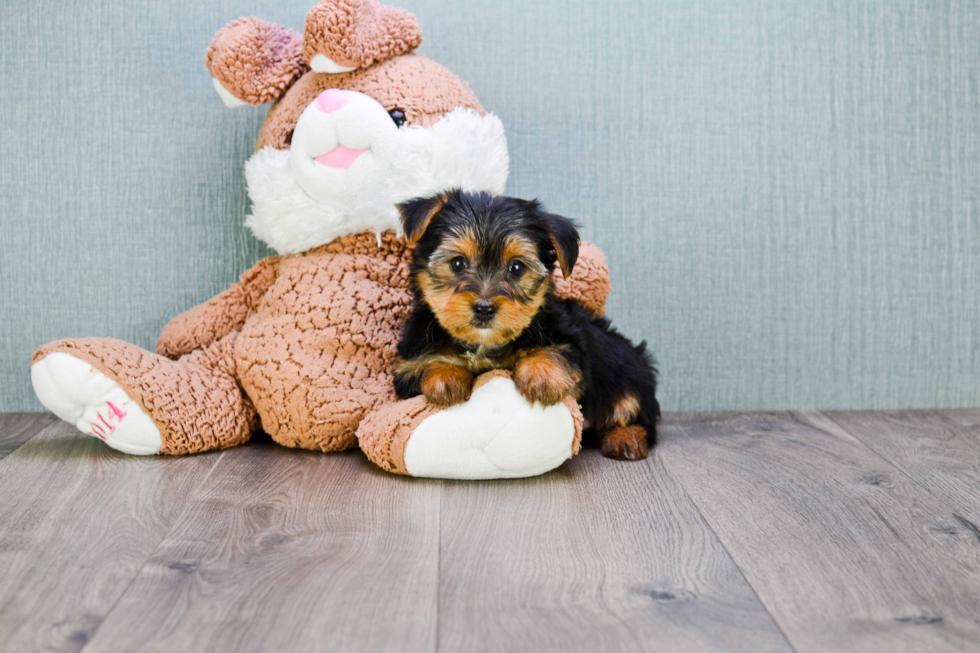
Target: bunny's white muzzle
<point x="349" y="165"/>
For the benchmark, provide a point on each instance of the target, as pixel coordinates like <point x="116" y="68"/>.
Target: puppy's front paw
<point x="625" y="443"/>
<point x="444" y="384"/>
<point x="546" y="377"/>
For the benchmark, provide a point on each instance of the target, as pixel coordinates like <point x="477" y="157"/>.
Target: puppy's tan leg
<point x="445" y="384"/>
<point x="544" y="375"/>
<point x="625" y="443"/>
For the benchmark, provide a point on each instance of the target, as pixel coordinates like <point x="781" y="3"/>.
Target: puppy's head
<point x="483" y="263"/>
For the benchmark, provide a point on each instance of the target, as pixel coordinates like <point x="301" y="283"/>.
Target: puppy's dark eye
<point x="398" y="116"/>
<point x="458" y="264"/>
<point x="516" y="269"/>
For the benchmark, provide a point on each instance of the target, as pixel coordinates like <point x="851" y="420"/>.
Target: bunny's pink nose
<point x="331" y="100"/>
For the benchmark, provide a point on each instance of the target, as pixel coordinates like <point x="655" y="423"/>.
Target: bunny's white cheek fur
<point x="298" y="204"/>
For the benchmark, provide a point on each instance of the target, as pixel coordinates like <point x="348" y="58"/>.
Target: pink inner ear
<point x="331" y="100"/>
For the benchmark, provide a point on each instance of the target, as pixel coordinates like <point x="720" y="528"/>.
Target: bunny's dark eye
<point x="516" y="269"/>
<point x="458" y="264"/>
<point x="398" y="116"/>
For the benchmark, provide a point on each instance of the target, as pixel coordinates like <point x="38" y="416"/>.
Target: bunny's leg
<point x="141" y="403"/>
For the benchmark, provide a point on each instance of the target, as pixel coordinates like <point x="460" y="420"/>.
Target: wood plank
<point x="77" y="521"/>
<point x="845" y="551"/>
<point x="939" y="449"/>
<point x="17" y="428"/>
<point x="286" y="550"/>
<point x="597" y="556"/>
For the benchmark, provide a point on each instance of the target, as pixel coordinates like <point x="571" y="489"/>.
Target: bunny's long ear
<point x="417" y="214"/>
<point x="342" y="35"/>
<point x="253" y="61"/>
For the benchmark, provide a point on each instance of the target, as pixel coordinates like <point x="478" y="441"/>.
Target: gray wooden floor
<point x="742" y="532"/>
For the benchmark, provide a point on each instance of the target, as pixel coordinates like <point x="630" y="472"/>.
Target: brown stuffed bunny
<point x="304" y="344"/>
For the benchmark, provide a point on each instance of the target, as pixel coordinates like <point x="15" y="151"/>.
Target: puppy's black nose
<point x="484" y="310"/>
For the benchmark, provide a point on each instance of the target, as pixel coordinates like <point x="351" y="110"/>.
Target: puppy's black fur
<point x="473" y="259"/>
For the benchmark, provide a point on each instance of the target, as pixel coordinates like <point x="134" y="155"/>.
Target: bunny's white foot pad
<point x="496" y="434"/>
<point x="81" y="395"/>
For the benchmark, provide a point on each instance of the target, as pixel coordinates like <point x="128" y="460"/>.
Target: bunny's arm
<point x="589" y="281"/>
<point x="220" y="315"/>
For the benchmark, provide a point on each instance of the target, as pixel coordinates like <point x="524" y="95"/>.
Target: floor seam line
<point x="41" y="430"/>
<point x="724" y="547"/>
<point x="886" y="459"/>
<point x="442" y="489"/>
<point x="163" y="539"/>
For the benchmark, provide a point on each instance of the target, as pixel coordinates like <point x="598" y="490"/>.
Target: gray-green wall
<point x="788" y="192"/>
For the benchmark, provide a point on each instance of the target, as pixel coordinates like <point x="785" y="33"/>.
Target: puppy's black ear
<point x="564" y="238"/>
<point x="418" y="213"/>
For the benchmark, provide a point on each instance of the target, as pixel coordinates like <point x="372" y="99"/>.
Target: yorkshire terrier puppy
<point x="484" y="299"/>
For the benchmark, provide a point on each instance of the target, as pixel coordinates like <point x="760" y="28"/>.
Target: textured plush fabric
<point x="304" y="343"/>
<point x="317" y="355"/>
<point x="256" y="60"/>
<point x="384" y="434"/>
<point x="788" y="193"/>
<point x="219" y="316"/>
<point x="296" y="205"/>
<point x="310" y="338"/>
<point x="424" y="90"/>
<point x="358" y="33"/>
<point x="589" y="282"/>
<point x="195" y="402"/>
